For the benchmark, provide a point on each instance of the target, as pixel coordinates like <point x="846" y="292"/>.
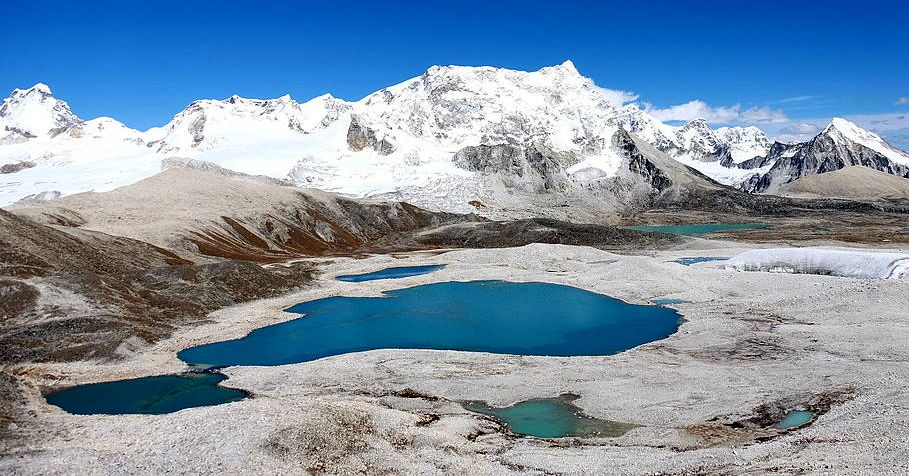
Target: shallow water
<point x="150" y="395"/>
<point x="688" y="261"/>
<point x="795" y="418"/>
<point x="550" y="418"/>
<point x="698" y="228"/>
<point x="479" y="316"/>
<point x="391" y="273"/>
<point x="664" y="302"/>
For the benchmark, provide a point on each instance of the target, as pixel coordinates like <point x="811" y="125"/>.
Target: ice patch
<point x="834" y="262"/>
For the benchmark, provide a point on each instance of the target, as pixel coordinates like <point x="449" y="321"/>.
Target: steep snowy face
<point x="744" y="143"/>
<point x="455" y="106"/>
<point x="662" y="136"/>
<point x="35" y="112"/>
<point x="206" y="124"/>
<point x="846" y="133"/>
<point x="699" y="141"/>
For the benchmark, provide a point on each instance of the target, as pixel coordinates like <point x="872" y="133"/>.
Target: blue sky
<point x="775" y="63"/>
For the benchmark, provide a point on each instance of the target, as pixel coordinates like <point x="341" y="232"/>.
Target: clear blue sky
<point x="141" y="62"/>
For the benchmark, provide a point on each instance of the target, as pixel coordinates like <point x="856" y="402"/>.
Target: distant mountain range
<point x="451" y="137"/>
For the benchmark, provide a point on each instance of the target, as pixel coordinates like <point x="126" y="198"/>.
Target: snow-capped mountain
<point x="840" y="144"/>
<point x="34" y="112"/>
<point x="448" y="137"/>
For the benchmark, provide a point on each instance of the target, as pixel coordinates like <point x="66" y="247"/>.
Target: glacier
<point x="849" y="263"/>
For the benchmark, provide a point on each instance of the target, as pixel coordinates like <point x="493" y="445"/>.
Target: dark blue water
<point x="697" y="259"/>
<point x="391" y="273"/>
<point x="550" y="418"/>
<point x="697" y="228"/>
<point x="151" y="395"/>
<point x="479" y="316"/>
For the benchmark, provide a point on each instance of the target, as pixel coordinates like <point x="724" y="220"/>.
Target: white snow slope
<point x="827" y="261"/>
<point x="420" y="123"/>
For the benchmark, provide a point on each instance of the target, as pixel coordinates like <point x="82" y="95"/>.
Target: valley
<point x="478" y="271"/>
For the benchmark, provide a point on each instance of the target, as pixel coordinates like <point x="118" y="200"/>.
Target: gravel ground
<point x="754" y="346"/>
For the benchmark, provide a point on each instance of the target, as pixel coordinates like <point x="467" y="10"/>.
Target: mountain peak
<point x="567" y="67"/>
<point x="841" y="124"/>
<point x="699" y="123"/>
<point x="39" y="88"/>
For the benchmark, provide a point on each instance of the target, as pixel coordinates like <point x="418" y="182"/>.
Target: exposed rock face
<point x="530" y="167"/>
<point x="360" y="137"/>
<point x="16" y="167"/>
<point x="823" y="153"/>
<point x="640" y="165"/>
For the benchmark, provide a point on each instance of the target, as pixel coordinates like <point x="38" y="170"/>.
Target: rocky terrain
<point x="849" y="183"/>
<point x="754" y="346"/>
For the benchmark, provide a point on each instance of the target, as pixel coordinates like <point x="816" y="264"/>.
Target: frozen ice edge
<point x="825" y="261"/>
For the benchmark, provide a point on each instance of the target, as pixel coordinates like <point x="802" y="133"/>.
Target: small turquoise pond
<point x="794" y="418"/>
<point x="478" y="316"/>
<point x="550" y="418"/>
<point x="391" y="273"/>
<point x="698" y="228"/>
<point x="697" y="259"/>
<point x="151" y="395"/>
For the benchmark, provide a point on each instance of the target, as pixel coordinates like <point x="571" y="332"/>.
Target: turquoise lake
<point x="477" y="316"/>
<point x="391" y="273"/>
<point x="550" y="418"/>
<point x="697" y="228"/>
<point x="151" y="395"/>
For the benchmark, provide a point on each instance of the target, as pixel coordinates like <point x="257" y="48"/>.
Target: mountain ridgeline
<point x="459" y="139"/>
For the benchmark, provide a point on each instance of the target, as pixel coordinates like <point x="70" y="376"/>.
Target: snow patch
<point x="826" y="261"/>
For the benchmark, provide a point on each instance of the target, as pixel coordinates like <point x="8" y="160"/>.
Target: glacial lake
<point x="391" y="273"/>
<point x="478" y="316"/>
<point x="698" y="228"/>
<point x="550" y="418"/>
<point x="149" y="395"/>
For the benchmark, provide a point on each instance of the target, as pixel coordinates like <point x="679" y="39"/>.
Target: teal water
<point x="697" y="259"/>
<point x="794" y="418"/>
<point x="391" y="273"/>
<point x="698" y="228"/>
<point x="150" y="395"/>
<point x="478" y="316"/>
<point x="550" y="418"/>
